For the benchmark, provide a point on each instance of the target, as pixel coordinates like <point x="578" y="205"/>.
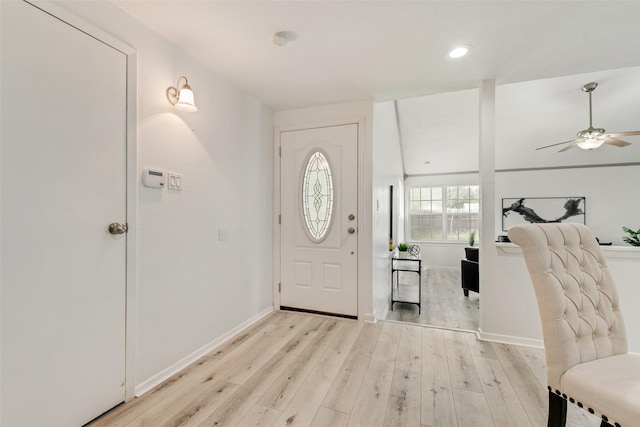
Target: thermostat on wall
<point x="153" y="178"/>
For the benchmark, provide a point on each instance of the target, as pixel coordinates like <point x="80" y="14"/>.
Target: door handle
<point x="117" y="228"/>
<point x="351" y="230"/>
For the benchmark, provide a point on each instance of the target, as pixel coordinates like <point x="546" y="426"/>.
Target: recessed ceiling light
<point x="458" y="52"/>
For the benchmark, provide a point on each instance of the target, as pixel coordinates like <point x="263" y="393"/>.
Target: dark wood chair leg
<point x="466" y="292"/>
<point x="605" y="424"/>
<point x="557" y="410"/>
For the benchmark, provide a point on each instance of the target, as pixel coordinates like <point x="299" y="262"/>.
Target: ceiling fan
<point x="592" y="138"/>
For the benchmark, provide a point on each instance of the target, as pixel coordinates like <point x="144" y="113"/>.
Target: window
<point x="317" y="196"/>
<point x="447" y="212"/>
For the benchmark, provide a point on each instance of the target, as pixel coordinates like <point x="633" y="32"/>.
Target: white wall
<point x="608" y="208"/>
<point x="609" y="191"/>
<point x="387" y="171"/>
<point x="193" y="288"/>
<point x="512" y="284"/>
<point x="350" y="112"/>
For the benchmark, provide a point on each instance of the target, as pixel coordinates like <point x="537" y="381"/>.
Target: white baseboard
<point x="186" y="361"/>
<point x="368" y="318"/>
<point x="382" y="313"/>
<point x="509" y="339"/>
<point x="385" y="312"/>
<point x="440" y="267"/>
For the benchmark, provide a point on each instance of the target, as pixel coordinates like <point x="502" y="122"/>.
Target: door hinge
<point x="279" y="287"/>
<point x="279" y="219"/>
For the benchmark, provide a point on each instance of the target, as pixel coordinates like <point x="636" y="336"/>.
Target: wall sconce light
<point x="182" y="98"/>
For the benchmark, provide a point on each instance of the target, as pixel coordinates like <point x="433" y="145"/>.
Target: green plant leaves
<point x="634" y="236"/>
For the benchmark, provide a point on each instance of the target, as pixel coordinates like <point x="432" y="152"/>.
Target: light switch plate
<point x="223" y="234"/>
<point x="174" y="181"/>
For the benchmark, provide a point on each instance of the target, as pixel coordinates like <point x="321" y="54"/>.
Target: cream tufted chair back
<point x="577" y="297"/>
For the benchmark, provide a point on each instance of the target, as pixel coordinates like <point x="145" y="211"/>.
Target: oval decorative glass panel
<point x="317" y="195"/>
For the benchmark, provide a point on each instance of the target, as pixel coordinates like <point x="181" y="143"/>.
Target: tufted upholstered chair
<point x="584" y="335"/>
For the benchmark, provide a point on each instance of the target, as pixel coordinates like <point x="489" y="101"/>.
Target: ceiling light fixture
<point x="590" y="143"/>
<point x="182" y="98"/>
<point x="458" y="52"/>
<point x="281" y="38"/>
<point x="592" y="138"/>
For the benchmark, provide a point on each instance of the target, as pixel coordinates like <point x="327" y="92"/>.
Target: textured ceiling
<point x="351" y="50"/>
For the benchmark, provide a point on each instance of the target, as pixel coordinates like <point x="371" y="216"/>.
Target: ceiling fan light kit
<point x="592" y="138"/>
<point x="590" y="144"/>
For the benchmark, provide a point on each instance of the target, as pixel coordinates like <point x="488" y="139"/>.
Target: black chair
<point x="469" y="268"/>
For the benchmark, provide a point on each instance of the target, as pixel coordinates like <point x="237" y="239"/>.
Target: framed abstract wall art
<point x="538" y="210"/>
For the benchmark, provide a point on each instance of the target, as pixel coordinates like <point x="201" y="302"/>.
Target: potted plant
<point x="402" y="249"/>
<point x="633" y="237"/>
<point x="471" y="252"/>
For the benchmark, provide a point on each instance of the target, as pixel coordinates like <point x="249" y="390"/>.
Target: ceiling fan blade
<point x="553" y="145"/>
<point x="616" y="134"/>
<point x="616" y="142"/>
<point x="570" y="146"/>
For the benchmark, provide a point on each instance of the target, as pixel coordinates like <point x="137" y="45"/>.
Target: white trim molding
<point x="628" y="252"/>
<point x="509" y="339"/>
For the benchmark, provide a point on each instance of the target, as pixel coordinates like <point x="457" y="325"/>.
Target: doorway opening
<point x="442" y="221"/>
<point x="438" y="147"/>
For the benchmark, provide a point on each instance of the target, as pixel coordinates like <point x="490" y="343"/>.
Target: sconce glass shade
<point x="186" y="101"/>
<point x="590" y="143"/>
<point x="182" y="99"/>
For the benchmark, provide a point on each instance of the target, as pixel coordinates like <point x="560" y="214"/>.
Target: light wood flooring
<point x="443" y="302"/>
<point x="293" y="369"/>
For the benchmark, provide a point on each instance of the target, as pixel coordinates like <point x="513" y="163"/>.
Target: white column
<point x="487" y="168"/>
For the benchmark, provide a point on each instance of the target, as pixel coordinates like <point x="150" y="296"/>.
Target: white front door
<point x="319" y="207"/>
<point x="63" y="178"/>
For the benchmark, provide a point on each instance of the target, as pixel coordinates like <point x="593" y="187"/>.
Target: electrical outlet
<point x="175" y="181"/>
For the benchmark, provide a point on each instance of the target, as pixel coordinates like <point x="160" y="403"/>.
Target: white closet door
<point x="63" y="181"/>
